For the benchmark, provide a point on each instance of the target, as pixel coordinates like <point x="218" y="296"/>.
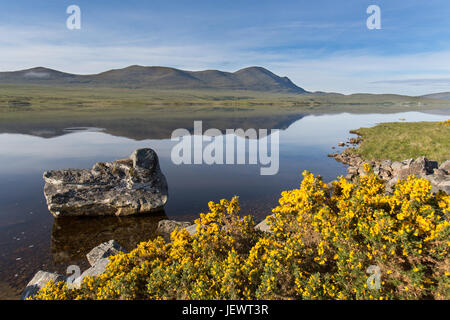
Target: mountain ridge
<point x="157" y="77"/>
<point x="438" y="95"/>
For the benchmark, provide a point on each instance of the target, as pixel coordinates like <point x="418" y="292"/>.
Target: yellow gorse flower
<point x="322" y="239"/>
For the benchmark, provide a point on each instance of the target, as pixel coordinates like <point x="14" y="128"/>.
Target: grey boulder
<point x="419" y="167"/>
<point x="97" y="269"/>
<point x="192" y="229"/>
<point x="40" y="279"/>
<point x="166" y="227"/>
<point x="445" y="166"/>
<point x="123" y="187"/>
<point x="99" y="259"/>
<point x="104" y="250"/>
<point x="264" y="225"/>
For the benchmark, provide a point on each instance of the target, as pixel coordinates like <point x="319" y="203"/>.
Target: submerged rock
<point x="123" y="187"/>
<point x="72" y="237"/>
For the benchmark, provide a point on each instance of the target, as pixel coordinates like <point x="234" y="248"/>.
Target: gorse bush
<point x="322" y="241"/>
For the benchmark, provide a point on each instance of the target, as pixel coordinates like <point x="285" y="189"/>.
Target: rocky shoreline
<point x="393" y="171"/>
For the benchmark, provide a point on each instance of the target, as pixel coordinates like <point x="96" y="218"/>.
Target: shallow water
<point x="31" y="239"/>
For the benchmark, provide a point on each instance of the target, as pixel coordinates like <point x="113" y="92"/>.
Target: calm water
<point x="30" y="239"/>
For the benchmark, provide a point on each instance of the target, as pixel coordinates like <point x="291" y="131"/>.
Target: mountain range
<point x="440" y="96"/>
<point x="252" y="78"/>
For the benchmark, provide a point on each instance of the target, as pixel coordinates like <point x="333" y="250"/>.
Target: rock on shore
<point x="166" y="227"/>
<point x="98" y="258"/>
<point x="40" y="279"/>
<point x="123" y="187"/>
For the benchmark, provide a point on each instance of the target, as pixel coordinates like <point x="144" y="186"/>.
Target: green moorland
<point x="52" y="98"/>
<point x="398" y="141"/>
<point x="137" y="113"/>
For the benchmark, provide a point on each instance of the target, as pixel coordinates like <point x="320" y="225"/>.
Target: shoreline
<point x="391" y="172"/>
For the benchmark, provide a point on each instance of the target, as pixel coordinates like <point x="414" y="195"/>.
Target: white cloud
<point x="361" y="72"/>
<point x="346" y="72"/>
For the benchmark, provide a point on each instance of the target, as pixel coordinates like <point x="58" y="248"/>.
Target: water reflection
<point x="145" y="128"/>
<point x="73" y="237"/>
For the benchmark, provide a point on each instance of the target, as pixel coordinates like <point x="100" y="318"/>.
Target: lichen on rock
<point x="123" y="187"/>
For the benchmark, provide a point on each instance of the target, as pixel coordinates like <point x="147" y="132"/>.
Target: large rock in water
<point x="123" y="187"/>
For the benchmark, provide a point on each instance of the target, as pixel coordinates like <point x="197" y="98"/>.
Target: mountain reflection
<point x="146" y="128"/>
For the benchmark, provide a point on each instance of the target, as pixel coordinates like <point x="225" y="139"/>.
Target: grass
<point x="18" y="98"/>
<point x="399" y="141"/>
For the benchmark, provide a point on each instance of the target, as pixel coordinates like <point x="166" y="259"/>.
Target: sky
<point x="321" y="45"/>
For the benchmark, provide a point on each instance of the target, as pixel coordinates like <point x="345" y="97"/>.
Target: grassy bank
<point x="399" y="141"/>
<point x="50" y="98"/>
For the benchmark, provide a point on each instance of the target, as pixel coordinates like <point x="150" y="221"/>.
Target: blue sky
<point x="320" y="45"/>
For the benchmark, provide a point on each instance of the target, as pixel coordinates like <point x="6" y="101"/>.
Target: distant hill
<point x="252" y="78"/>
<point x="441" y="96"/>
